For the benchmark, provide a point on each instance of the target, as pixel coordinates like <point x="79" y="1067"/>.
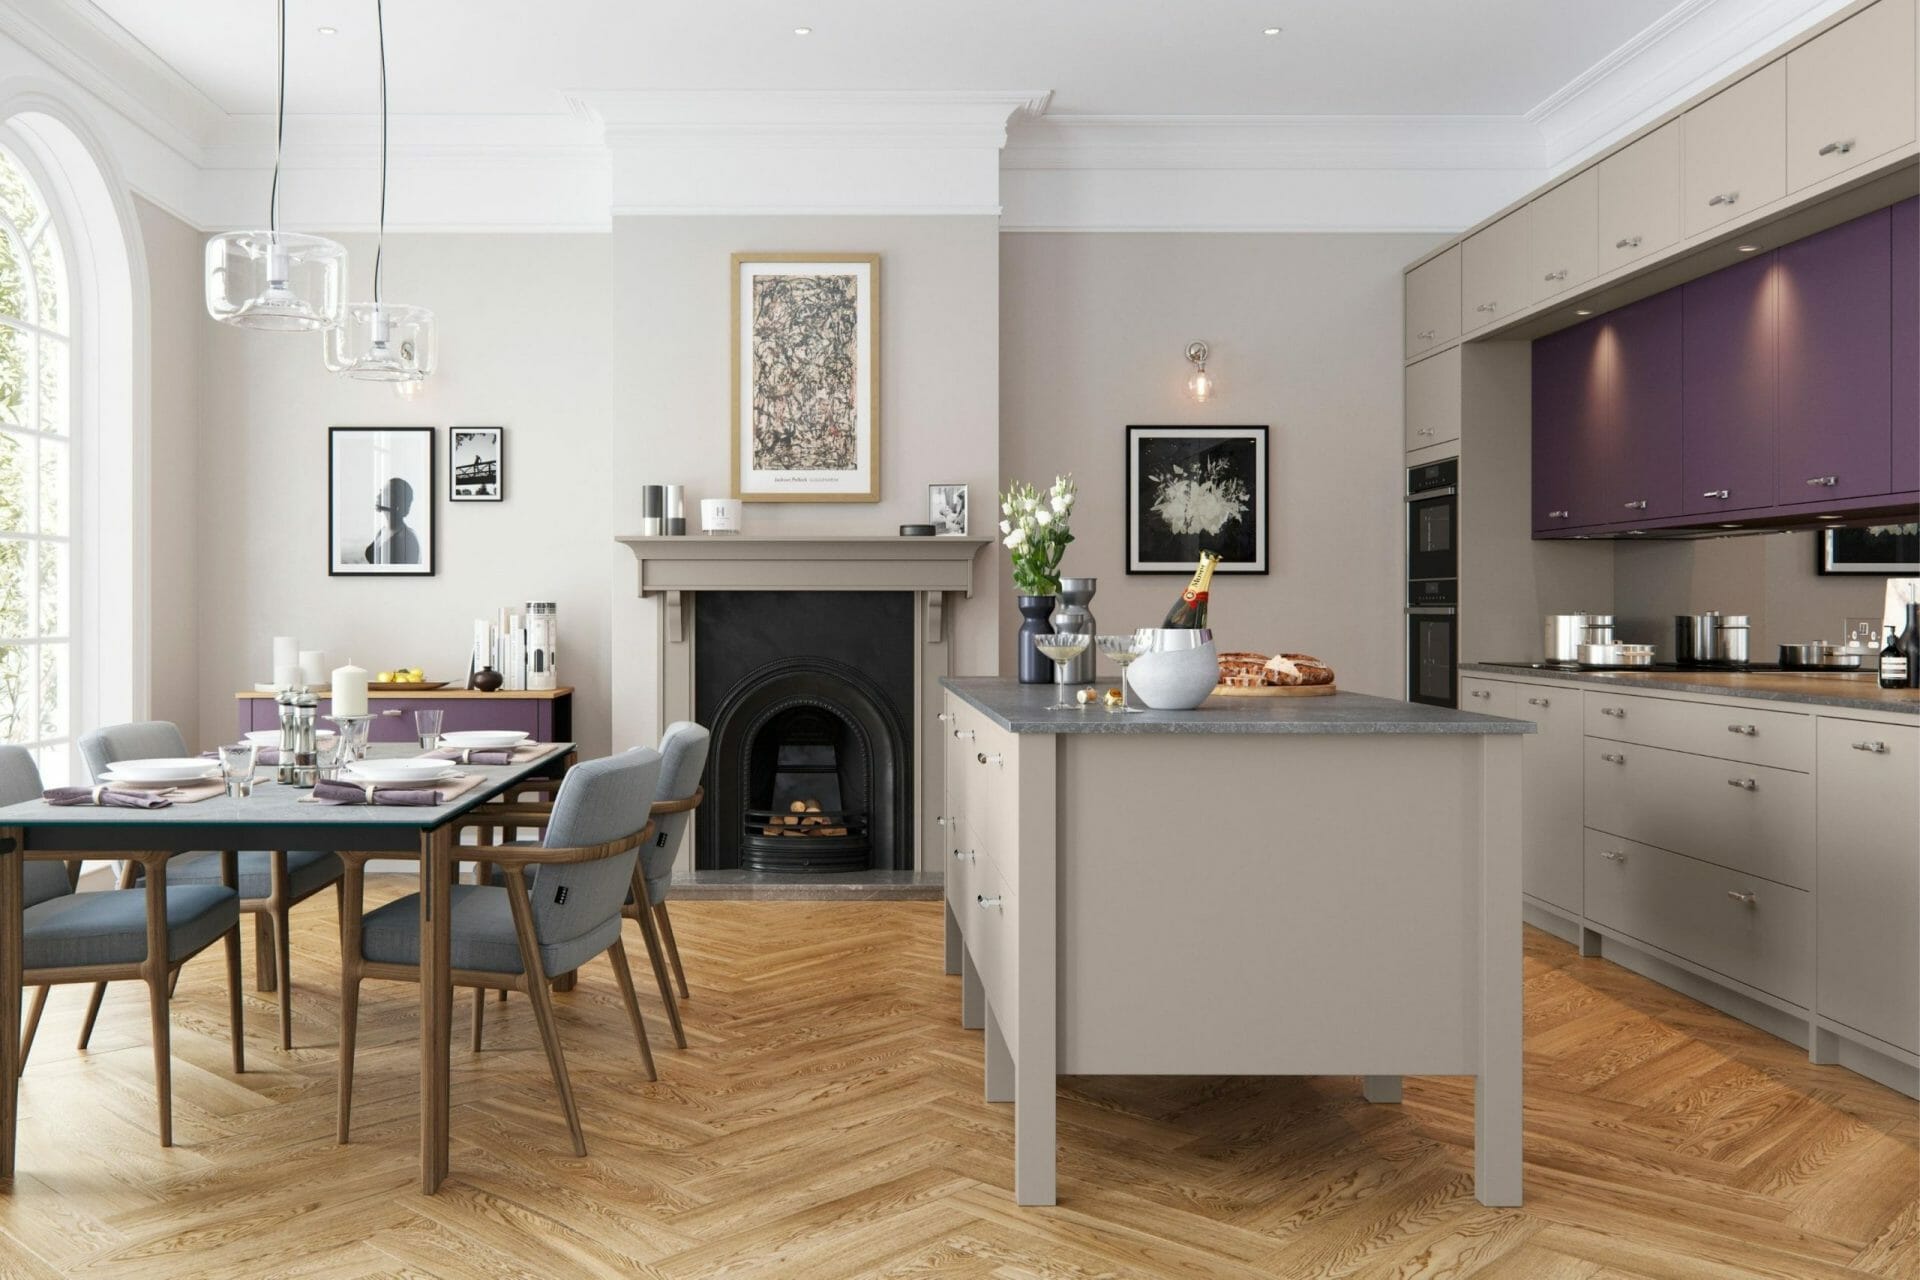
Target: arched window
<point x="36" y="474"/>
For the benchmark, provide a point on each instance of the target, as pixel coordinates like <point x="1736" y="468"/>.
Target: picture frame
<point x="1196" y="488"/>
<point x="476" y="464"/>
<point x="1869" y="550"/>
<point x="806" y="377"/>
<point x="380" y="501"/>
<point x="948" y="510"/>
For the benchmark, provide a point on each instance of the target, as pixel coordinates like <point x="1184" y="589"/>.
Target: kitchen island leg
<point x="999" y="1064"/>
<point x="1036" y="1015"/>
<point x="954" y="943"/>
<point x="973" y="995"/>
<point x="1497" y="1153"/>
<point x="1380" y="1088"/>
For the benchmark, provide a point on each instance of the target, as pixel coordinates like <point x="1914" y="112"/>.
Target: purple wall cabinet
<point x="1834" y="437"/>
<point x="1641" y="475"/>
<point x="1569" y="392"/>
<point x="1727" y="396"/>
<point x="1906" y="347"/>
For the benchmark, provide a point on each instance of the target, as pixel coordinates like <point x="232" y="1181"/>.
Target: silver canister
<point x="1693" y="636"/>
<point x="1072" y="616"/>
<point x="298" y="708"/>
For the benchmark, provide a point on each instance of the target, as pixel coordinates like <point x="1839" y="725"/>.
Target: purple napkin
<point x="328" y="792"/>
<point x="473" y="755"/>
<point x="105" y="798"/>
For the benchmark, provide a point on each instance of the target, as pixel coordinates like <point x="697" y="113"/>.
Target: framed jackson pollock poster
<point x="806" y="377"/>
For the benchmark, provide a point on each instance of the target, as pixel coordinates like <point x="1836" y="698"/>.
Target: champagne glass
<point x="1123" y="649"/>
<point x="1063" y="647"/>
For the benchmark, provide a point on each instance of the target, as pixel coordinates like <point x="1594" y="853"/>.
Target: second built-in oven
<point x="1433" y="526"/>
<point x="1433" y="566"/>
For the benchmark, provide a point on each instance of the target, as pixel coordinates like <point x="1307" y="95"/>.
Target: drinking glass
<point x="1063" y="647"/>
<point x="326" y="757"/>
<point x="427" y="725"/>
<point x="236" y="767"/>
<point x="1123" y="649"/>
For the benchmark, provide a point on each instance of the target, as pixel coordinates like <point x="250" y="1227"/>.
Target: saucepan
<point x="1817" y="655"/>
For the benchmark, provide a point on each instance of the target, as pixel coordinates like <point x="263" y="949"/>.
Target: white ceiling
<point x="1106" y="57"/>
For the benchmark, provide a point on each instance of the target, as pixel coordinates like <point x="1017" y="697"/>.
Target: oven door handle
<point x="1433" y="610"/>
<point x="1424" y="494"/>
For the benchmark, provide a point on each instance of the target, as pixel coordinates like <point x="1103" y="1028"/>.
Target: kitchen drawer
<point x="1850" y="94"/>
<point x="1743" y="816"/>
<point x="1778" y="739"/>
<point x="1734" y="149"/>
<point x="1433" y="400"/>
<point x="966" y="784"/>
<point x="1750" y="929"/>
<point x="1566" y="235"/>
<point x="1639" y="198"/>
<point x="1495" y="280"/>
<point x="1433" y="303"/>
<point x="992" y="934"/>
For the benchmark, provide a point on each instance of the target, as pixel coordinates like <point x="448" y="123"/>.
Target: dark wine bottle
<point x="1910" y="646"/>
<point x="1893" y="663"/>
<point x="1189" y="612"/>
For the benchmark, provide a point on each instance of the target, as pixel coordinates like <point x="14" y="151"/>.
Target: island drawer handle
<point x="988" y="903"/>
<point x="1479" y="693"/>
<point x="1742" y="895"/>
<point x="944" y="717"/>
<point x="1877" y="748"/>
<point x="939" y="822"/>
<point x="1745" y="784"/>
<point x="1837" y="148"/>
<point x="1747" y="729"/>
<point x="1618" y="713"/>
<point x="984" y="758"/>
<point x="965" y="855"/>
<point x="1539" y="702"/>
<point x="963" y="735"/>
<point x="1613" y="757"/>
<point x="1613" y="855"/>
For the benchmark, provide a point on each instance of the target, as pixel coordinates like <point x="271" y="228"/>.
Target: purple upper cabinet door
<point x="1569" y="399"/>
<point x="1834" y="436"/>
<point x="1640" y="475"/>
<point x="1906" y="347"/>
<point x="1728" y="397"/>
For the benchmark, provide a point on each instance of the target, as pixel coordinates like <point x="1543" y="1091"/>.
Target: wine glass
<point x="1123" y="649"/>
<point x="1063" y="647"/>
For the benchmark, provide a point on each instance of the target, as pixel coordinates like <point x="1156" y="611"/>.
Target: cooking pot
<point x="1818" y="655"/>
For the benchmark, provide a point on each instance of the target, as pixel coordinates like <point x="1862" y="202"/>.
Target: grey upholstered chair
<point x="521" y="934"/>
<point x="683" y="759"/>
<point x="272" y="881"/>
<point x="145" y="933"/>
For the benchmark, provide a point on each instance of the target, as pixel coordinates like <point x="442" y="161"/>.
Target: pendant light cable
<point x="380" y="25"/>
<point x="280" y="129"/>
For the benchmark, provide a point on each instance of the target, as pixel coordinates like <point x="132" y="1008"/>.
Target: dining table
<point x="274" y="816"/>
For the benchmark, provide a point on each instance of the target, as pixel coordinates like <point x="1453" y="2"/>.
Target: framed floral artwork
<point x="1194" y="489"/>
<point x="806" y="377"/>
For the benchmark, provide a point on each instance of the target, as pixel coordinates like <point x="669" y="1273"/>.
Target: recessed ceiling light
<point x="1729" y="526"/>
<point x="1748" y="248"/>
<point x="1271" y="31"/>
<point x="329" y="31"/>
<point x="1582" y="311"/>
<point x="803" y="31"/>
<point x="1829" y="517"/>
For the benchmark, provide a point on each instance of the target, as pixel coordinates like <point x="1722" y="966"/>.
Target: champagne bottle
<point x="1910" y="646"/>
<point x="1189" y="612"/>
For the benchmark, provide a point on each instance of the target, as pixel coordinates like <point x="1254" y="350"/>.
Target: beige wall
<point x="1305" y="333"/>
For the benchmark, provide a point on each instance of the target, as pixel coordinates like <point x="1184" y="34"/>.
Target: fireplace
<point x="807" y="696"/>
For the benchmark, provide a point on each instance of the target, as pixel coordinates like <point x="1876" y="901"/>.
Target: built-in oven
<point x="1433" y="525"/>
<point x="1433" y="620"/>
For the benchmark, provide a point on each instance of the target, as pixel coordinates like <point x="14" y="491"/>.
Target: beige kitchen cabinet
<point x="1433" y="303"/>
<point x="1639" y="198"/>
<point x="1868" y="812"/>
<point x="1433" y="400"/>
<point x="1850" y="94"/>
<point x="1565" y="235"/>
<point x="1734" y="150"/>
<point x="1494" y="275"/>
<point x="1551" y="838"/>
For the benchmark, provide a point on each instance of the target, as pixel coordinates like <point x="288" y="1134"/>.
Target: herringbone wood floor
<point x="827" y="1121"/>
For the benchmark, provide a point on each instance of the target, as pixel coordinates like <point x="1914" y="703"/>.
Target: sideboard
<point x="546" y="715"/>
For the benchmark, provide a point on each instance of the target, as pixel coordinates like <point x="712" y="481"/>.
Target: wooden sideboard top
<point x="441" y="695"/>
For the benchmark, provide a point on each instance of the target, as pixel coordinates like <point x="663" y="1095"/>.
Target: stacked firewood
<point x="802" y="819"/>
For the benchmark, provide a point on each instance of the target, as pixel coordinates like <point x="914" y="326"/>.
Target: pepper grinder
<point x="298" y="759"/>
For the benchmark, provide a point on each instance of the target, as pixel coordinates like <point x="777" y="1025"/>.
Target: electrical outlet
<point x="1864" y="632"/>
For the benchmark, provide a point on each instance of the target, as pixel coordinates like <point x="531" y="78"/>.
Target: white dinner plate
<point x="400" y="770"/>
<point x="169" y="769"/>
<point x="483" y="739"/>
<point x="271" y="737"/>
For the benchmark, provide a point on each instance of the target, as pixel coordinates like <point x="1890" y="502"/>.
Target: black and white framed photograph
<point x="476" y="465"/>
<point x="380" y="501"/>
<point x="1194" y="489"/>
<point x="1886" y="550"/>
<point x="947" y="509"/>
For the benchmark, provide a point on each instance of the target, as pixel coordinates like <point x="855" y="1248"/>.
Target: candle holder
<point x="354" y="733"/>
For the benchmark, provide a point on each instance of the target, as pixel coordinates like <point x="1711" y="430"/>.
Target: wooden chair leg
<point x="283" y="956"/>
<point x="264" y="978"/>
<point x="173" y="982"/>
<point x="542" y="1001"/>
<point x="127" y="872"/>
<point x="234" y="1002"/>
<point x="162" y="1055"/>
<point x="656" y="953"/>
<point x="349" y="1032"/>
<point x="33" y="1023"/>
<point x="479" y="1014"/>
<point x="618" y="954"/>
<point x="673" y="948"/>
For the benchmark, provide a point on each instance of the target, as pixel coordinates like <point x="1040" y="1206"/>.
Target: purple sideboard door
<point x="1643" y="479"/>
<point x="1728" y="403"/>
<point x="1834" y="437"/>
<point x="1906" y="347"/>
<point x="1570" y="396"/>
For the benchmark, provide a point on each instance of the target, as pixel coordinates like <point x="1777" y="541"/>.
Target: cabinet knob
<point x="1561" y="274"/>
<point x="1826" y="482"/>
<point x="944" y="717"/>
<point x="963" y="735"/>
<point x="1479" y="693"/>
<point x="987" y="902"/>
<point x="1747" y="729"/>
<point x="1539" y="702"/>
<point x="1837" y="148"/>
<point x="1745" y="784"/>
<point x="1628" y="242"/>
<point x="1618" y="713"/>
<point x="1875" y="748"/>
<point x="1559" y="515"/>
<point x="1638" y="504"/>
<point x="1742" y="895"/>
<point x="1715" y="493"/>
<point x="1613" y="855"/>
<point x="1725" y="197"/>
<point x="984" y="758"/>
<point x="1613" y="757"/>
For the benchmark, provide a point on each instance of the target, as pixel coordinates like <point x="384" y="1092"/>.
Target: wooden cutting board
<point x="1275" y="691"/>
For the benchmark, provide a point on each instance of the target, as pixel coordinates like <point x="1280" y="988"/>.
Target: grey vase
<point x="1035" y="667"/>
<point x="1073" y="616"/>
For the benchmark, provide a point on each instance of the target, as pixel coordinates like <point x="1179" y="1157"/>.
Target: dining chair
<point x="116" y="934"/>
<point x="518" y="935"/>
<point x="271" y="881"/>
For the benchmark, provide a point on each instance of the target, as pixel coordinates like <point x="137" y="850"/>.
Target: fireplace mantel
<point x="670" y="566"/>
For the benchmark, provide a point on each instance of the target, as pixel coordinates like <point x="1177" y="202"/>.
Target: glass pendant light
<point x="382" y="341"/>
<point x="274" y="279"/>
<point x="1200" y="386"/>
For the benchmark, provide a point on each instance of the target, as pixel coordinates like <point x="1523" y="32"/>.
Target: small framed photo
<point x="476" y="467"/>
<point x="380" y="501"/>
<point x="1879" y="550"/>
<point x="947" y="509"/>
<point x="1194" y="489"/>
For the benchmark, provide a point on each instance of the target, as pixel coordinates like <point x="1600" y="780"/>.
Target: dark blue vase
<point x="1035" y="667"/>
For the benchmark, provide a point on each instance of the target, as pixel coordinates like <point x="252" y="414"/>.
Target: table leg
<point x="1497" y="1123"/>
<point x="436" y="1003"/>
<point x="12" y="904"/>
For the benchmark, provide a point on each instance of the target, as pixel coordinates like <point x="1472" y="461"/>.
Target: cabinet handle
<point x="1725" y="197"/>
<point x="987" y="903"/>
<point x="984" y="758"/>
<point x="939" y="822"/>
<point x="1559" y="515"/>
<point x="1837" y="148"/>
<point x="1715" y="493"/>
<point x="1425" y="335"/>
<point x="1613" y="757"/>
<point x="1618" y="713"/>
<point x="1742" y="895"/>
<point x="1745" y="784"/>
<point x="963" y="735"/>
<point x="944" y="717"/>
<point x="1539" y="702"/>
<point x="1613" y="855"/>
<point x="1824" y="481"/>
<point x="1874" y="748"/>
<point x="1486" y="306"/>
<point x="1478" y="693"/>
<point x="1638" y="504"/>
<point x="1424" y="431"/>
<point x="1746" y="729"/>
<point x="965" y="855"/>
<point x="1630" y="242"/>
<point x="1561" y="274"/>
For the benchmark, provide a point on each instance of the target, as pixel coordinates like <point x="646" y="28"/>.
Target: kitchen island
<point x="1285" y="886"/>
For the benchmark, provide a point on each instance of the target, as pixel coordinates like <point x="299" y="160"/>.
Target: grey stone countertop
<point x="1858" y="691"/>
<point x="1022" y="708"/>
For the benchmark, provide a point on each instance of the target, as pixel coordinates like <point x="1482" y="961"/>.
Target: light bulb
<point x="1200" y="386"/>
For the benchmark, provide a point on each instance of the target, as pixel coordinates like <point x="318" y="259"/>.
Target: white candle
<point x="286" y="653"/>
<point x="313" y="667"/>
<point x="349" y="691"/>
<point x="287" y="677"/>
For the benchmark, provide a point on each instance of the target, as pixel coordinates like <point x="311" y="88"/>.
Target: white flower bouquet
<point x="1034" y="528"/>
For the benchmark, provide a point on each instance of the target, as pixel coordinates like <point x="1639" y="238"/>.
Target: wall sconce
<point x="1200" y="386"/>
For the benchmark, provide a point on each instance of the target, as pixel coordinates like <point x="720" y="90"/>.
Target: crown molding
<point x="1274" y="142"/>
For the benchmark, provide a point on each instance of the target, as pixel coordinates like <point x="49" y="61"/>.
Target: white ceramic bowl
<point x="400" y="770"/>
<point x="483" y="739"/>
<point x="1175" y="680"/>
